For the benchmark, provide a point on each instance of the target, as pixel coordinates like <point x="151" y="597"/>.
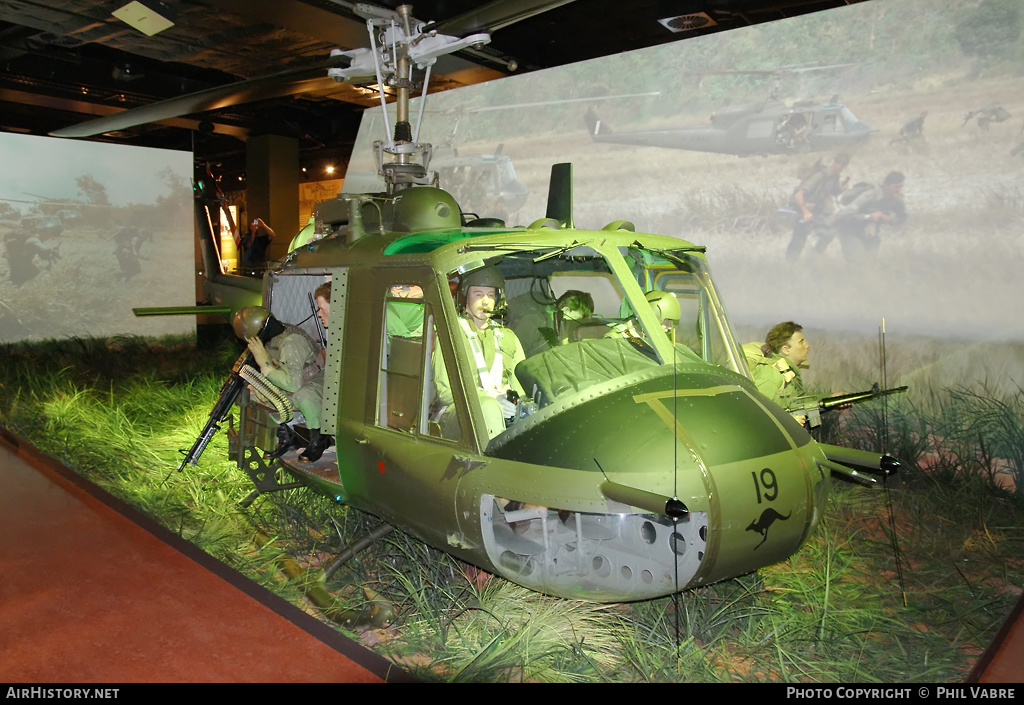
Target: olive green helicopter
<point x="769" y="126"/>
<point x="631" y="456"/>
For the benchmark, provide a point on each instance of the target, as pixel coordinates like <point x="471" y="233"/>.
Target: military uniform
<point x="774" y="375"/>
<point x="858" y="236"/>
<point x="22" y="251"/>
<point x="297" y="370"/>
<point x="495" y="372"/>
<point x="820" y="189"/>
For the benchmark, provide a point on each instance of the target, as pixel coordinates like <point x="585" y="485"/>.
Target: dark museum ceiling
<point x="68" y="61"/>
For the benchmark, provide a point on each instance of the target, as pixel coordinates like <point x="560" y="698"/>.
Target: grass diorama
<point x="903" y="583"/>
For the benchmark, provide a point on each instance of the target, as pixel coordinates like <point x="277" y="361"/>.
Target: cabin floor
<point x="95" y="592"/>
<point x="325" y="468"/>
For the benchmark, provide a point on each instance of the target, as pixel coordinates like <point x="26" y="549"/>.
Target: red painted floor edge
<point x="92" y="591"/>
<point x="1003" y="660"/>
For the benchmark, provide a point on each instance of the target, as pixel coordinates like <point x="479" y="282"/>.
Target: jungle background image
<point x="119" y="235"/>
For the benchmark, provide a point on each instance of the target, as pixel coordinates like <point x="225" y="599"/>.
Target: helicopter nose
<point x="638" y="424"/>
<point x="657" y="471"/>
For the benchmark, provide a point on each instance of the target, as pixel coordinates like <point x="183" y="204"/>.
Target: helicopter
<point x="636" y="466"/>
<point x="770" y="126"/>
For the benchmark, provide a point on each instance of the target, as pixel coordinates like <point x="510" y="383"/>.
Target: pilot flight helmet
<point x="484" y="276"/>
<point x="256" y="321"/>
<point x="665" y="306"/>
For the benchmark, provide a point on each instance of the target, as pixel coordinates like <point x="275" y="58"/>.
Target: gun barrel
<point x="857" y="397"/>
<point x="229" y="391"/>
<point x="196" y="451"/>
<point x="874" y="462"/>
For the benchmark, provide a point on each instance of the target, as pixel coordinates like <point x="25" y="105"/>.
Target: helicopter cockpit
<point x="574" y="307"/>
<point x="585" y="314"/>
<point x="597" y="335"/>
<point x="582" y="316"/>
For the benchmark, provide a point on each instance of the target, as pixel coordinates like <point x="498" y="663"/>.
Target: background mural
<point x="932" y="89"/>
<point x="89" y="231"/>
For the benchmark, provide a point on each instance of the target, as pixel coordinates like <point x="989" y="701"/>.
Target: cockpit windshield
<point x="586" y="313"/>
<point x="702" y="326"/>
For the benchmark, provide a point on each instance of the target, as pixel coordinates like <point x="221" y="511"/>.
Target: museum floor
<point x="93" y="592"/>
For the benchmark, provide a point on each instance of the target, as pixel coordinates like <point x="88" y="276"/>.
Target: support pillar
<point x="272" y="187"/>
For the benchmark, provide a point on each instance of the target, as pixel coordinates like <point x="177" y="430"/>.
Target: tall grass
<point x="881" y="592"/>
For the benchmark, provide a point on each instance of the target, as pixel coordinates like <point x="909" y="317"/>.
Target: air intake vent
<point x="686" y="23"/>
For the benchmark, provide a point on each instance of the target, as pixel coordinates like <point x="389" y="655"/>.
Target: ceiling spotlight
<point x="147" y="16"/>
<point x="125" y="72"/>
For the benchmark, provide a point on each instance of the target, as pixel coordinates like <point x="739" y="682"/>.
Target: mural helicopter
<point x="770" y="126"/>
<point x="625" y="455"/>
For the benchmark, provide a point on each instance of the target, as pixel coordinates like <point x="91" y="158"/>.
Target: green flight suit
<point x="774" y="375"/>
<point x="404" y="319"/>
<point x="511" y="351"/>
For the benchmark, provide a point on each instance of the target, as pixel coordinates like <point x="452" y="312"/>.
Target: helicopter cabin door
<point x="409" y="435"/>
<point x="793" y="130"/>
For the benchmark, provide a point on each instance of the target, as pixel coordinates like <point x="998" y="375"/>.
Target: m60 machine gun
<point x="812" y="407"/>
<point x="242" y="374"/>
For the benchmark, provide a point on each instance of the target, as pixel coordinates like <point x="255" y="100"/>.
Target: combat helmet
<point x="256" y="321"/>
<point x="665" y="306"/>
<point x="484" y="276"/>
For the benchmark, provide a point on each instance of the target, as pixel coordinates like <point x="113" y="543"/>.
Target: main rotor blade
<point x="490" y="17"/>
<point x="493" y="16"/>
<point x="276" y="85"/>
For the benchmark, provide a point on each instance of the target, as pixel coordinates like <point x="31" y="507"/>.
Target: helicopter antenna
<point x="897" y="553"/>
<point x="675" y="494"/>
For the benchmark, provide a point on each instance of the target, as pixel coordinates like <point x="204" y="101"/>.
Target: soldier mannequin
<point x="775" y="365"/>
<point x="493" y="348"/>
<point x="289" y="360"/>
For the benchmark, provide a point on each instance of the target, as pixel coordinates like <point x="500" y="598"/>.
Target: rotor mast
<point x="399" y="42"/>
<point x="404" y="171"/>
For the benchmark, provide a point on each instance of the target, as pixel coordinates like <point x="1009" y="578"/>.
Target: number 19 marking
<point x="767" y="486"/>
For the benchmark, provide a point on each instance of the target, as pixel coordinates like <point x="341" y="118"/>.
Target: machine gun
<point x="229" y="391"/>
<point x="812" y="408"/>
